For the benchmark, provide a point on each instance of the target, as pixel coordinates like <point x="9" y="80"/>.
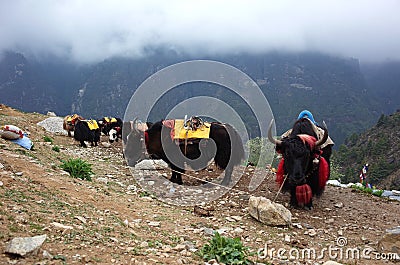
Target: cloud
<point x="93" y="30"/>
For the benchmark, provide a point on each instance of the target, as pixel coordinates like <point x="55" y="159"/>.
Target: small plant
<point x="78" y="168"/>
<point x="47" y="139"/>
<point x="56" y="149"/>
<point x="368" y="190"/>
<point x="225" y="250"/>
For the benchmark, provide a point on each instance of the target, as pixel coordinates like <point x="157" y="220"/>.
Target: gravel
<point x="54" y="125"/>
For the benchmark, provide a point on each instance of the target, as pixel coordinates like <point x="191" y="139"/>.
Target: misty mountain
<point x="333" y="88"/>
<point x="383" y="82"/>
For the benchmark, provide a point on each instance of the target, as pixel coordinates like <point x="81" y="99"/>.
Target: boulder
<point x="391" y="241"/>
<point x="268" y="212"/>
<point x="25" y="246"/>
<point x="151" y="165"/>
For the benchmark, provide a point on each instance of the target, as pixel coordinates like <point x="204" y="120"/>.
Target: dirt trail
<point x="115" y="221"/>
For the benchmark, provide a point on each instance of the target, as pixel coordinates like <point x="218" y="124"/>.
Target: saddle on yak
<point x="92" y="124"/>
<point x="193" y="128"/>
<point x="110" y="119"/>
<point x="71" y="119"/>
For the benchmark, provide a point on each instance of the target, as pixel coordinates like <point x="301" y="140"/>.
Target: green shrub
<point x="78" y="168"/>
<point x="47" y="139"/>
<point x="56" y="149"/>
<point x="368" y="190"/>
<point x="225" y="250"/>
<point x="378" y="192"/>
<point x="261" y="152"/>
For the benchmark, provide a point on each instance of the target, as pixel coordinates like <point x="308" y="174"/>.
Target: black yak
<point x="87" y="130"/>
<point x="224" y="145"/>
<point x="108" y="123"/>
<point x="304" y="168"/>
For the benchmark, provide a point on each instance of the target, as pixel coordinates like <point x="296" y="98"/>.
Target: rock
<point x="396" y="192"/>
<point x="151" y="165"/>
<point x="311" y="232"/>
<point x="47" y="255"/>
<point x="330" y="262"/>
<point x="144" y="244"/>
<point x="61" y="226"/>
<point x="154" y="224"/>
<point x="208" y="231"/>
<point x="236" y="218"/>
<point x="25" y="246"/>
<point x="80" y="218"/>
<point x="53" y="124"/>
<point x="179" y="247"/>
<point x="105" y="144"/>
<point x="102" y="180"/>
<point x="268" y="212"/>
<point x="51" y="114"/>
<point x="238" y="230"/>
<point x="330" y="221"/>
<point x="339" y="205"/>
<point x="297" y="225"/>
<point x="391" y="241"/>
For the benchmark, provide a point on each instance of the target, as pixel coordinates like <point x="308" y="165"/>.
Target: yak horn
<point x="324" y="138"/>
<point x="270" y="138"/>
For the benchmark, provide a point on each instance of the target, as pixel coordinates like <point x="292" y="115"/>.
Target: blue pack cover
<point x="25" y="142"/>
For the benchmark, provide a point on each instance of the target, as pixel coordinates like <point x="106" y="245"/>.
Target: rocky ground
<point x="113" y="220"/>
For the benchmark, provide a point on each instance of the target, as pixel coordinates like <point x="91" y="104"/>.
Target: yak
<point x="107" y="123"/>
<point x="304" y="168"/>
<point x="224" y="145"/>
<point x="69" y="123"/>
<point x="84" y="132"/>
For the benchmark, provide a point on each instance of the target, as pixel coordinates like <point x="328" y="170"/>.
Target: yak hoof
<point x="177" y="181"/>
<point x="225" y="182"/>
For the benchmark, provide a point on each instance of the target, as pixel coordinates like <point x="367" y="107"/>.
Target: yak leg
<point x="293" y="199"/>
<point x="177" y="174"/>
<point x="227" y="177"/>
<point x="69" y="133"/>
<point x="83" y="144"/>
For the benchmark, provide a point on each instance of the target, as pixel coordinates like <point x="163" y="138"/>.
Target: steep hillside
<point x="380" y="148"/>
<point x="112" y="220"/>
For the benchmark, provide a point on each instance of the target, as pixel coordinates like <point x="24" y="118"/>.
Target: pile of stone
<point x="53" y="125"/>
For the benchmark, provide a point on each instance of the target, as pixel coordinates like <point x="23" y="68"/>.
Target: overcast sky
<point x="93" y="30"/>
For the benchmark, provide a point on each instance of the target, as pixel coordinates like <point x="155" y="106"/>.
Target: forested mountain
<point x="380" y="148"/>
<point x="333" y="88"/>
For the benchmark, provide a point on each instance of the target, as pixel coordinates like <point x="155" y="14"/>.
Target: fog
<point x="91" y="31"/>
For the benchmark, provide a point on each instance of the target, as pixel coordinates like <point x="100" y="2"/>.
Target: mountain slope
<point x="380" y="148"/>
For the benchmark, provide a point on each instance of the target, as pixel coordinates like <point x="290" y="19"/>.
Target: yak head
<point x="134" y="145"/>
<point x="113" y="134"/>
<point x="298" y="154"/>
